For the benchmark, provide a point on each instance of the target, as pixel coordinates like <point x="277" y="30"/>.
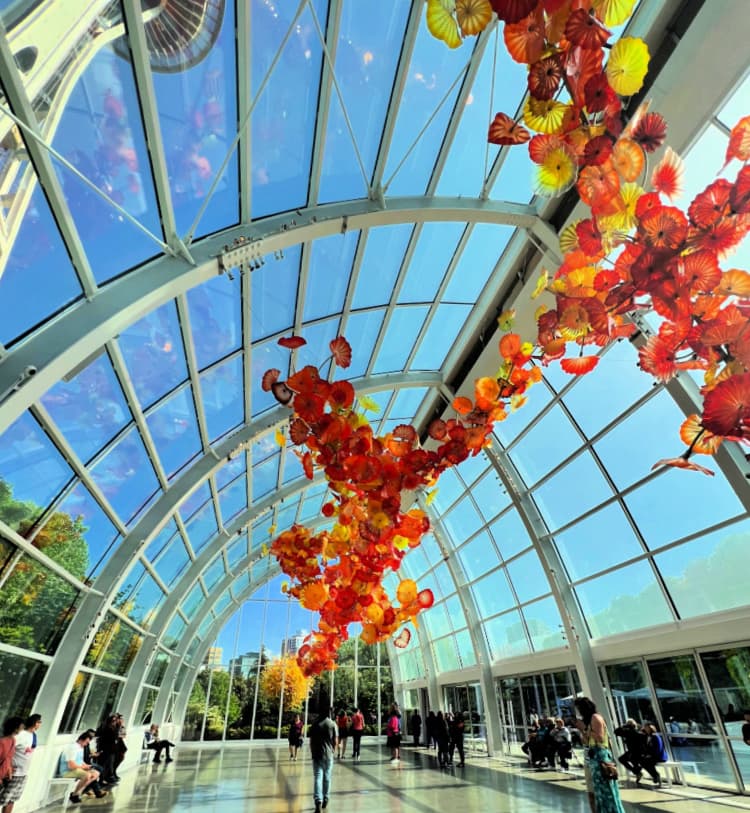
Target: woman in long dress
<point x="604" y="793"/>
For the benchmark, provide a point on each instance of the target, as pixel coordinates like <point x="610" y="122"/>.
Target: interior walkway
<point x="261" y="778"/>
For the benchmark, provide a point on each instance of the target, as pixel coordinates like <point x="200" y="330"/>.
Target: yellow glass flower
<point x="369" y="404"/>
<point x="541" y="284"/>
<point x="544" y="115"/>
<point x="473" y="15"/>
<point x="441" y="22"/>
<point x="627" y="65"/>
<point x="556" y="174"/>
<point x="613" y="12"/>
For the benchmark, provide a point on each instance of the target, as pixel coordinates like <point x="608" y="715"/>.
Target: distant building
<point x="215" y="657"/>
<point x="289" y="646"/>
<point x="244" y="665"/>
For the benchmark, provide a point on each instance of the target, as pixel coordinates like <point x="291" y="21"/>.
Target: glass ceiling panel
<point x="230" y="470"/>
<point x="366" y="61"/>
<point x="125" y="475"/>
<point x="696" y="573"/>
<point x="328" y="276"/>
<point x="561" y="498"/>
<point x="154" y="354"/>
<point x="514" y="179"/>
<point x="624" y="600"/>
<point x="463" y="520"/>
<point x="441" y="335"/>
<point x="493" y="594"/>
<point x="598" y="542"/>
<point x="381" y="261"/>
<point x="223" y="397"/>
<point x="711" y="500"/>
<point x="193" y="601"/>
<point x="90" y="408"/>
<point x="174" y="430"/>
<point x="595" y="400"/>
<point x="215" y="319"/>
<point x="317" y="351"/>
<point x="528" y="577"/>
<point x="365" y="325"/>
<point x="407" y="402"/>
<point x="173" y="562"/>
<point x="467" y="165"/>
<point x="32" y="471"/>
<point x="435" y="248"/>
<point x="195" y="500"/>
<point x="265" y="477"/>
<point x="197" y="108"/>
<point x="283" y="122"/>
<point x="274" y="294"/>
<point x="432" y="71"/>
<point x="478" y="556"/>
<point x="510" y="534"/>
<point x="160" y="541"/>
<point x="472" y="467"/>
<point x="237" y="551"/>
<point x="214" y="573"/>
<point x="450" y="487"/>
<point x="145" y="602"/>
<point x="233" y="499"/>
<point x="506" y="431"/>
<point x="36" y="276"/>
<point x="477" y="262"/>
<point x="175" y="631"/>
<point x="406" y="322"/>
<point x="545" y="445"/>
<point x="93" y="524"/>
<point x="490" y="495"/>
<point x="544" y="624"/>
<point x="101" y="134"/>
<point x="292" y="466"/>
<point x="202" y="528"/>
<point x="506" y="636"/>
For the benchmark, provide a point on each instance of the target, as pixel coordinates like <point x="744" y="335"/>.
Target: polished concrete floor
<point x="261" y="778"/>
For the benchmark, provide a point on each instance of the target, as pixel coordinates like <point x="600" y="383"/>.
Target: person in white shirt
<point x="72" y="766"/>
<point x="25" y="745"/>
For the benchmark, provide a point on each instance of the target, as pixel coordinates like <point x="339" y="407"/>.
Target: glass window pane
<point x="158" y="668"/>
<point x="696" y="572"/>
<point x="193" y="601"/>
<point x="493" y="594"/>
<point x="195" y="500"/>
<point x="446" y="656"/>
<point x="154" y="354"/>
<point x="223" y="398"/>
<point x="215" y="319"/>
<point x="115" y="474"/>
<point x="20" y="679"/>
<point x="196" y="99"/>
<point x="328" y="274"/>
<point x="32" y="473"/>
<point x="38" y="279"/>
<point x="478" y="556"/>
<point x="506" y="431"/>
<point x="383" y="254"/>
<point x="435" y="248"/>
<point x="506" y="636"/>
<point x="174" y="431"/>
<point x="449" y="489"/>
<point x="274" y="295"/>
<point x="440" y="336"/>
<point x="90" y="409"/>
<point x="100" y="701"/>
<point x="237" y="551"/>
<point x="544" y="624"/>
<point x="202" y="528"/>
<point x="561" y="498"/>
<point x="711" y="500"/>
<point x="436" y="621"/>
<point x="175" y="630"/>
<point x="229" y="471"/>
<point x="173" y="562"/>
<point x="466" y="654"/>
<point x="472" y="467"/>
<point x="626" y="599"/>
<point x="545" y="445"/>
<point x="282" y="145"/>
<point x="233" y="499"/>
<point x="463" y="520"/>
<point x="143" y="605"/>
<point x="628" y="684"/>
<point x="510" y="534"/>
<point x="489" y="494"/>
<point x="582" y="545"/>
<point x="528" y="577"/>
<point x="160" y="541"/>
<point x="403" y="329"/>
<point x="477" y="261"/>
<point x="35" y="607"/>
<point x="214" y="573"/>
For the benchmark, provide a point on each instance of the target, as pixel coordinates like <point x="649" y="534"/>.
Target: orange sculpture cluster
<point x="339" y="572"/>
<point x="635" y="252"/>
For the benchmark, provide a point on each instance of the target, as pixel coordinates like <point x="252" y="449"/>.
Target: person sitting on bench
<point x="154" y="742"/>
<point x="72" y="766"/>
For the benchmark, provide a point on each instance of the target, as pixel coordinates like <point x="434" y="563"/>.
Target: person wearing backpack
<point x="393" y="731"/>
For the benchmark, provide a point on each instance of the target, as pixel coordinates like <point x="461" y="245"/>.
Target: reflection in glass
<point x="114" y="647"/>
<point x="383" y="254"/>
<point x="223" y="399"/>
<point x="174" y="431"/>
<point x="506" y="636"/>
<point x="631" y="696"/>
<point x="20" y="679"/>
<point x="36" y="606"/>
<point x="215" y="319"/>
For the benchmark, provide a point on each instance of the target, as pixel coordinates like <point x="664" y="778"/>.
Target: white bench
<point x="674" y="771"/>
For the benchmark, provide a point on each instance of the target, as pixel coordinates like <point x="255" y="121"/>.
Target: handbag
<point x="609" y="770"/>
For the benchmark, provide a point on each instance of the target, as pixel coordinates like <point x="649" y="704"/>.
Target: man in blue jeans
<point x="323" y="736"/>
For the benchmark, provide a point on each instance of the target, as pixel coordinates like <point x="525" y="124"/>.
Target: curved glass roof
<point x="169" y="210"/>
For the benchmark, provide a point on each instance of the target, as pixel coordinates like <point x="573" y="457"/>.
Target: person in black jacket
<point x="442" y="735"/>
<point x="635" y="747"/>
<point x="430" y="733"/>
<point x="457" y="737"/>
<point x="106" y="743"/>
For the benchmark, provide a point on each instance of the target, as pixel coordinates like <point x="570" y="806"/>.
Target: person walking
<point x="416" y="727"/>
<point x="601" y="784"/>
<point x="8" y="787"/>
<point x="358" y="728"/>
<point x="393" y="731"/>
<point x="442" y="735"/>
<point x="342" y="722"/>
<point x="25" y="748"/>
<point x="295" y="737"/>
<point x="430" y="726"/>
<point x="457" y="737"/>
<point x="323" y="736"/>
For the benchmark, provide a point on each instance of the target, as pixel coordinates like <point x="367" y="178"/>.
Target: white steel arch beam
<point x="66" y="341"/>
<point x="74" y="643"/>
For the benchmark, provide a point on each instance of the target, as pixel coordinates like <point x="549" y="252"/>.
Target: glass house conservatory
<point x="183" y="183"/>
